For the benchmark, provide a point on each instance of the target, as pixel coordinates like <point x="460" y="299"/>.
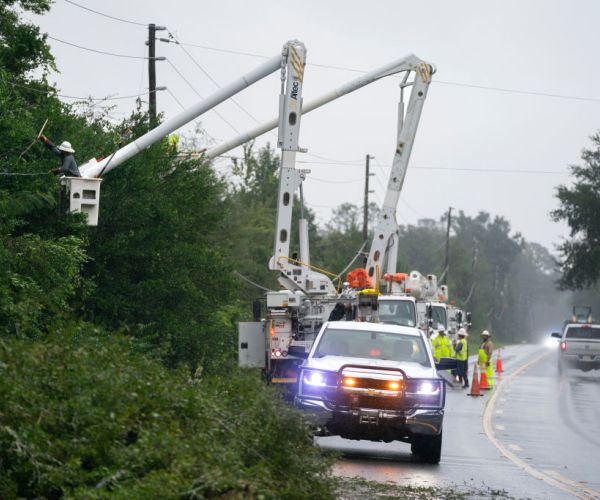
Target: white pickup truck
<point x="579" y="346"/>
<point x="377" y="382"/>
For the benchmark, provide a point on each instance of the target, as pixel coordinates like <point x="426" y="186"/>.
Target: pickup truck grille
<point x="374" y="402"/>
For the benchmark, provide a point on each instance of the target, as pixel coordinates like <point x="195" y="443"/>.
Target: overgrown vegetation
<point x="117" y="350"/>
<point x="83" y="416"/>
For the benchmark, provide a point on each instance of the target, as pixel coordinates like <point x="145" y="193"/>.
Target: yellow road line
<point x="550" y="477"/>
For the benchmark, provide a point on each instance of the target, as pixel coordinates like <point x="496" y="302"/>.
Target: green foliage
<point x="37" y="280"/>
<point x="579" y="208"/>
<point x="82" y="416"/>
<point x="155" y="258"/>
<point x="22" y="47"/>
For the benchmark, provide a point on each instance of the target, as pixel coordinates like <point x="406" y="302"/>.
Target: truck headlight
<point x="313" y="378"/>
<point x="317" y="382"/>
<point x="428" y="388"/>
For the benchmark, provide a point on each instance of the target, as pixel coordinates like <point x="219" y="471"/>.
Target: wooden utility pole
<point x="366" y="201"/>
<point x="447" y="265"/>
<point x="152" y="29"/>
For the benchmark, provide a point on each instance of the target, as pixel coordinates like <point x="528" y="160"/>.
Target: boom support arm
<point x="407" y="63"/>
<point x="386" y="232"/>
<point x="95" y="169"/>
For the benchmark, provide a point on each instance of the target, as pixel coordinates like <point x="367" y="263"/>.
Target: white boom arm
<point x="386" y="232"/>
<point x="94" y="169"/>
<point x="293" y="275"/>
<point x="408" y="63"/>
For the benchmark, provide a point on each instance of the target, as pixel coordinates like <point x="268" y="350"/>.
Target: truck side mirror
<point x="297" y="351"/>
<point x="446" y="364"/>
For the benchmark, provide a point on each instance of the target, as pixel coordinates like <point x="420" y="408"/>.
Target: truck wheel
<point x="427" y="448"/>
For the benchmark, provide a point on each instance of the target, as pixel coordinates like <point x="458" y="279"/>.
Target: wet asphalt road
<point x="537" y="435"/>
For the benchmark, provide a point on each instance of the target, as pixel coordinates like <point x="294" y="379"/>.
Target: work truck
<point x="375" y="381"/>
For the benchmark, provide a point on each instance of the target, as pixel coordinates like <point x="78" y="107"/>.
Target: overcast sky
<point x="547" y="47"/>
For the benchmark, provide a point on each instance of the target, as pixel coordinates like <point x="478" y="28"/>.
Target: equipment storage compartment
<point x="252" y="344"/>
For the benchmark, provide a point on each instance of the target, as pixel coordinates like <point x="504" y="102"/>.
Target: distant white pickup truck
<point x="579" y="346"/>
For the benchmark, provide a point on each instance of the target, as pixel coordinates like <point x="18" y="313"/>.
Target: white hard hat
<point x="66" y="147"/>
<point x="441" y="329"/>
<point x="463" y="332"/>
<point x="485" y="332"/>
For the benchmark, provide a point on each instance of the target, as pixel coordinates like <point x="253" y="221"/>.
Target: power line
<point x="127" y="56"/>
<point x="89" y="98"/>
<point x="434" y="81"/>
<point x="207" y="74"/>
<point x="326" y="181"/>
<point x="516" y="91"/>
<point x="106" y="15"/>
<point x="200" y="96"/>
<point x="450" y="169"/>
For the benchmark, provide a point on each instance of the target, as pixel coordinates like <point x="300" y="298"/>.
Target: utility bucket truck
<point x="309" y="298"/>
<point x="84" y="192"/>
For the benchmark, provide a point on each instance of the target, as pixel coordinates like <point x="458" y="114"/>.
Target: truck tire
<point x="428" y="449"/>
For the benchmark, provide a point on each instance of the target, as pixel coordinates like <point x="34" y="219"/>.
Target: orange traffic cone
<point x="483" y="381"/>
<point x="475" y="389"/>
<point x="499" y="362"/>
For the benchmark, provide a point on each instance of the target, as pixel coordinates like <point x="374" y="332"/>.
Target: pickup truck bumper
<point x="585" y="361"/>
<point x="415" y="421"/>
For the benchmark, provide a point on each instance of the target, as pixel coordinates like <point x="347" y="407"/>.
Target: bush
<point x="86" y="417"/>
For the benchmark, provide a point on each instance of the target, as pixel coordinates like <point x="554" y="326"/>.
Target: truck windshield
<point x="583" y="332"/>
<point x="372" y="345"/>
<point x="438" y="314"/>
<point x="397" y="312"/>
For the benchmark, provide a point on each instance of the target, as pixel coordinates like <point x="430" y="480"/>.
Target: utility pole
<point x="447" y="265"/>
<point x="152" y="29"/>
<point x="366" y="206"/>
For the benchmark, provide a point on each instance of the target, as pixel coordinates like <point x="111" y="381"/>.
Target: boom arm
<point x="95" y="169"/>
<point x="386" y="232"/>
<point x="408" y="63"/>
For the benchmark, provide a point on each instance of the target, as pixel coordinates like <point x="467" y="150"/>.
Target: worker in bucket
<point x="485" y="357"/>
<point x="68" y="166"/>
<point x="462" y="354"/>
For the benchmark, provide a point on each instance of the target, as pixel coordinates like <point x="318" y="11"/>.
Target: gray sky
<point x="538" y="46"/>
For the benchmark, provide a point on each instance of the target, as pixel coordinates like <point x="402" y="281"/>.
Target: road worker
<point x="485" y="357"/>
<point x="462" y="355"/>
<point x="68" y="166"/>
<point x="442" y="346"/>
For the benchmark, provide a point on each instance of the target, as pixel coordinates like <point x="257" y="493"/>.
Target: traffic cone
<point x="483" y="381"/>
<point x="475" y="389"/>
<point x="499" y="362"/>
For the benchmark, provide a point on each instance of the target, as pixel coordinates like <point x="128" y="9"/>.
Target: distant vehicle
<point x="377" y="382"/>
<point x="579" y="346"/>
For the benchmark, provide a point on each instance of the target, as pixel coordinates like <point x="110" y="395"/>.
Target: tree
<point x="579" y="207"/>
<point x="22" y="47"/>
<point x="156" y="262"/>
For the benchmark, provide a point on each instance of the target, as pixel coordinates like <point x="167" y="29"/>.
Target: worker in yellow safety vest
<point x="442" y="346"/>
<point x="462" y="354"/>
<point x="485" y="357"/>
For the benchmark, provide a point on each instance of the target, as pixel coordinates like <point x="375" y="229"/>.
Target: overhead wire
<point x="65" y="96"/>
<point x="103" y="52"/>
<point x="115" y="18"/>
<point x="200" y="96"/>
